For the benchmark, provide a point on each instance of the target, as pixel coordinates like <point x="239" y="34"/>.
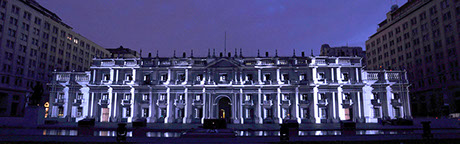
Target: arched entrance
<point x="225" y="109"/>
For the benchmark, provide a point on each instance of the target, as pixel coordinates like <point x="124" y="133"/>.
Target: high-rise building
<point x="422" y="37"/>
<point x="34" y="42"/>
<point x="239" y="89"/>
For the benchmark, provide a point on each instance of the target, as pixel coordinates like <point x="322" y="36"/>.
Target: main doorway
<point x="225" y="109"/>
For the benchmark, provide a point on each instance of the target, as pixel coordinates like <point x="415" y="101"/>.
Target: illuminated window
<point x="60" y="111"/>
<point x="199" y="77"/>
<point x="164" y="77"/>
<point x="145" y="97"/>
<point x="105" y="96"/>
<point x="302" y="77"/>
<point x="145" y="112"/>
<point x="248" y="97"/>
<point x="127" y="97"/>
<point x="223" y="77"/>
<point x="198" y="97"/>
<point x="162" y="97"/>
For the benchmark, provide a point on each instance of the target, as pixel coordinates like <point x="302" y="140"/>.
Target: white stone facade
<point x="241" y="90"/>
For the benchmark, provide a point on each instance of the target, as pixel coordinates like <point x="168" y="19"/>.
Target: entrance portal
<point x="225" y="109"/>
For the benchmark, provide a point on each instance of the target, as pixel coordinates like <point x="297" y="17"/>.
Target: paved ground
<point x="435" y="124"/>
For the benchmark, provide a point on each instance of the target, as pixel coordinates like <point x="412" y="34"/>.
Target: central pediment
<point x="223" y="63"/>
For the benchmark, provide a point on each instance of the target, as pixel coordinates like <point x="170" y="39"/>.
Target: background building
<point x="239" y="89"/>
<point x="422" y="37"/>
<point x="33" y="42"/>
<point x="122" y="52"/>
<point x="326" y="50"/>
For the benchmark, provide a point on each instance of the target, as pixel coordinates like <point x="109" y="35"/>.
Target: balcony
<point x="372" y="76"/>
<point x="396" y="102"/>
<point x="125" y="102"/>
<point x="78" y="101"/>
<point x="199" y="82"/>
<point x="285" y="103"/>
<point x="62" y="77"/>
<point x="285" y="82"/>
<point x="344" y="61"/>
<point x="128" y="82"/>
<point x="82" y="78"/>
<point x="197" y="102"/>
<point x="376" y="102"/>
<point x="130" y="63"/>
<point x="59" y="101"/>
<point x="248" y="103"/>
<point x="304" y="102"/>
<point x="267" y="103"/>
<point x="104" y="102"/>
<point x="322" y="102"/>
<point x="106" y="82"/>
<point x="347" y="103"/>
<point x="107" y="63"/>
<point x="162" y="103"/>
<point x="179" y="103"/>
<point x="320" y="62"/>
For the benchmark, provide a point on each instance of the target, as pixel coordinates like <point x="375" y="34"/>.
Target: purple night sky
<point x="182" y="25"/>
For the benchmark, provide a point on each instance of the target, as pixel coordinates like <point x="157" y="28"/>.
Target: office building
<point x="34" y="42"/>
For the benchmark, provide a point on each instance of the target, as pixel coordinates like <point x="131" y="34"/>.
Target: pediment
<point x="223" y="63"/>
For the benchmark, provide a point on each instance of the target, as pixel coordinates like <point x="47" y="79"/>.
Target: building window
<point x="249" y="77"/>
<point x="127" y="97"/>
<point x="376" y="113"/>
<point x="162" y="97"/>
<point x="79" y="111"/>
<point x="105" y="96"/>
<point x="305" y="113"/>
<point x="198" y="113"/>
<point x="60" y="111"/>
<point x="146" y="77"/>
<point x="128" y="77"/>
<point x="145" y="97"/>
<point x="79" y="96"/>
<point x="284" y="77"/>
<point x="106" y="77"/>
<point x="223" y="77"/>
<point x="266" y="97"/>
<point x="304" y="97"/>
<point x="323" y="113"/>
<point x="302" y="77"/>
<point x="198" y="97"/>
<point x="345" y="77"/>
<point x="397" y="112"/>
<point x="145" y="112"/>
<point x="127" y="112"/>
<point x="164" y="77"/>
<point x="181" y="97"/>
<point x="267" y="77"/>
<point x="286" y="113"/>
<point x="321" y="76"/>
<point x="248" y="97"/>
<point x="61" y="96"/>
<point x="285" y="97"/>
<point x="267" y="113"/>
<point x="321" y="96"/>
<point x="162" y="113"/>
<point x="346" y="96"/>
<point x="199" y="77"/>
<point x="181" y="77"/>
<point x="395" y="96"/>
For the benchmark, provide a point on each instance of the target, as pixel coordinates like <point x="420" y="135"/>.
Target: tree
<point x="36" y="96"/>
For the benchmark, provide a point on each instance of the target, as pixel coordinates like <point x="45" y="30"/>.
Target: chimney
<point x="303" y="54"/>
<point x="229" y="54"/>
<point x="258" y="53"/>
<point x="184" y="55"/>
<point x="150" y="55"/>
<point x="266" y="54"/>
<point x="221" y="54"/>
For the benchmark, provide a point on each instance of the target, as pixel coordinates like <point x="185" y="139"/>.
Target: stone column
<point x="296" y="104"/>
<point x="241" y="107"/>
<point x="334" y="107"/>
<point x="340" y="106"/>
<point x="278" y="105"/>
<point x="259" y="112"/>
<point x="315" y="105"/>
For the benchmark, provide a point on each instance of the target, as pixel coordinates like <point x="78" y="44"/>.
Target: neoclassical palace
<point x="308" y="89"/>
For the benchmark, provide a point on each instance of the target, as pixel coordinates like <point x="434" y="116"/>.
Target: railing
<point x="179" y="102"/>
<point x="130" y="63"/>
<point x="125" y="102"/>
<point x="344" y="61"/>
<point x="107" y="63"/>
<point x="375" y="102"/>
<point x="197" y="102"/>
<point x="82" y="78"/>
<point x="78" y="101"/>
<point x="248" y="103"/>
<point x="322" y="102"/>
<point x="104" y="102"/>
<point x="286" y="102"/>
<point x="59" y="100"/>
<point x="267" y="102"/>
<point x="62" y="77"/>
<point x="393" y="75"/>
<point x="372" y="76"/>
<point x="320" y="61"/>
<point x="304" y="102"/>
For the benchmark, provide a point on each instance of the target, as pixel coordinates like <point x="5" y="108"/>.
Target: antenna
<point x="225" y="42"/>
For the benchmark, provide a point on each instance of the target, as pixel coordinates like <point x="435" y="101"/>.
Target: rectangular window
<point x="105" y="96"/>
<point x="345" y="77"/>
<point x="79" y="111"/>
<point x="267" y="77"/>
<point x="285" y="77"/>
<point x="376" y="113"/>
<point x="61" y="111"/>
<point x="162" y="97"/>
<point x="199" y="77"/>
<point x="249" y="77"/>
<point x="302" y="77"/>
<point x="304" y="97"/>
<point x="248" y="97"/>
<point x="127" y="97"/>
<point x="106" y="77"/>
<point x="128" y="77"/>
<point x="285" y="97"/>
<point x="145" y="112"/>
<point x="145" y="97"/>
<point x="321" y="76"/>
<point x="164" y="77"/>
<point x="198" y="97"/>
<point x="266" y="97"/>
<point x="223" y="77"/>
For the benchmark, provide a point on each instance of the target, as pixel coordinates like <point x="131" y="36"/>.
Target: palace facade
<point x="242" y="90"/>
